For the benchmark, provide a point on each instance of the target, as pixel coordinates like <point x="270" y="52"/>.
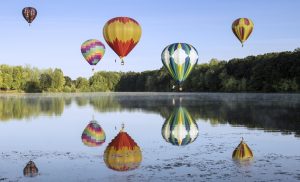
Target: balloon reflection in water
<point x="30" y="169"/>
<point x="122" y="153"/>
<point x="242" y="152"/>
<point x="180" y="128"/>
<point x="93" y="135"/>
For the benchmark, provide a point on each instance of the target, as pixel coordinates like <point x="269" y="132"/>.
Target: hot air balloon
<point x="93" y="51"/>
<point x="30" y="169"/>
<point x="242" y="28"/>
<point x="122" y="34"/>
<point x="242" y="152"/>
<point x="179" y="59"/>
<point x="122" y="153"/>
<point x="29" y="13"/>
<point x="93" y="135"/>
<point x="180" y="128"/>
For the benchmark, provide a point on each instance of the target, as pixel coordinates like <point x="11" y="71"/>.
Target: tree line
<point x="271" y="72"/>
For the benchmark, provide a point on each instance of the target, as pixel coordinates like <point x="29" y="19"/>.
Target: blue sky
<point x="55" y="37"/>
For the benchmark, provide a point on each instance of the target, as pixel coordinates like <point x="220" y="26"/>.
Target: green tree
<point x="82" y="84"/>
<point x="45" y="81"/>
<point x="58" y="80"/>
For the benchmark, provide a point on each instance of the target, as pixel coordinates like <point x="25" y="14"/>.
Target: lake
<point x="48" y="129"/>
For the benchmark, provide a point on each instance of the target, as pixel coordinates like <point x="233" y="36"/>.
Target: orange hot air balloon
<point x="122" y="153"/>
<point x="122" y="34"/>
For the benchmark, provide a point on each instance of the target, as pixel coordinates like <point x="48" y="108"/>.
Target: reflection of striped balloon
<point x="122" y="153"/>
<point x="30" y="169"/>
<point x="122" y="34"/>
<point x="93" y="135"/>
<point x="180" y="128"/>
<point x="179" y="59"/>
<point x="242" y="152"/>
<point x="92" y="50"/>
<point x="242" y="28"/>
<point x="29" y="13"/>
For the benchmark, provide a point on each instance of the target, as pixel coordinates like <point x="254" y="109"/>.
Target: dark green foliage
<point x="272" y="72"/>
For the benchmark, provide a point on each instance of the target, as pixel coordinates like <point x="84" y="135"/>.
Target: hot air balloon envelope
<point x="93" y="51"/>
<point x="122" y="153"/>
<point x="122" y="34"/>
<point x="179" y="59"/>
<point x="242" y="152"/>
<point x="242" y="29"/>
<point x="93" y="135"/>
<point x="180" y="128"/>
<point x="30" y="169"/>
<point x="29" y="13"/>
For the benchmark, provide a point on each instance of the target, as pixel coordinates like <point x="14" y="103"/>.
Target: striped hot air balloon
<point x="93" y="50"/>
<point x="180" y="128"/>
<point x="242" y="152"/>
<point x="242" y="29"/>
<point x="30" y="169"/>
<point x="179" y="59"/>
<point x="29" y="13"/>
<point x="122" y="153"/>
<point x="122" y="34"/>
<point x="93" y="135"/>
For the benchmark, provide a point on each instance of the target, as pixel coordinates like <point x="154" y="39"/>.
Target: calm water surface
<point x="47" y="129"/>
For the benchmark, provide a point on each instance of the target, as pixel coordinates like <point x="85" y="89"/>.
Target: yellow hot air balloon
<point x="122" y="34"/>
<point x="122" y="153"/>
<point x="242" y="28"/>
<point x="242" y="152"/>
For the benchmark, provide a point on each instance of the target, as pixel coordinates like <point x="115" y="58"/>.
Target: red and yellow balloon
<point x="122" y="34"/>
<point x="242" y="29"/>
<point x="122" y="153"/>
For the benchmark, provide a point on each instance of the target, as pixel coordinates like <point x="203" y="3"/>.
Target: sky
<point x="54" y="38"/>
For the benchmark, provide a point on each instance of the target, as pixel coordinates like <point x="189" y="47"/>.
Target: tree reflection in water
<point x="270" y="112"/>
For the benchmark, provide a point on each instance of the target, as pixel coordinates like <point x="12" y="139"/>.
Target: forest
<point x="271" y="72"/>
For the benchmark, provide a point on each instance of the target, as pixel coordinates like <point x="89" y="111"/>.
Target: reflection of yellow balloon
<point x="122" y="153"/>
<point x="242" y="152"/>
<point x="242" y="28"/>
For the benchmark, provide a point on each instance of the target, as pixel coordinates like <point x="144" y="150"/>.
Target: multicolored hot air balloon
<point x="122" y="153"/>
<point x="93" y="135"/>
<point x="93" y="51"/>
<point x="122" y="34"/>
<point x="179" y="59"/>
<point x="30" y="169"/>
<point x="242" y="152"/>
<point x="180" y="128"/>
<point x="242" y="28"/>
<point x="29" y="13"/>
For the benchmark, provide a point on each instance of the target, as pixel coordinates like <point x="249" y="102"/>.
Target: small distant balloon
<point x="242" y="152"/>
<point x="29" y="13"/>
<point x="242" y="29"/>
<point x="30" y="169"/>
<point x="93" y="50"/>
